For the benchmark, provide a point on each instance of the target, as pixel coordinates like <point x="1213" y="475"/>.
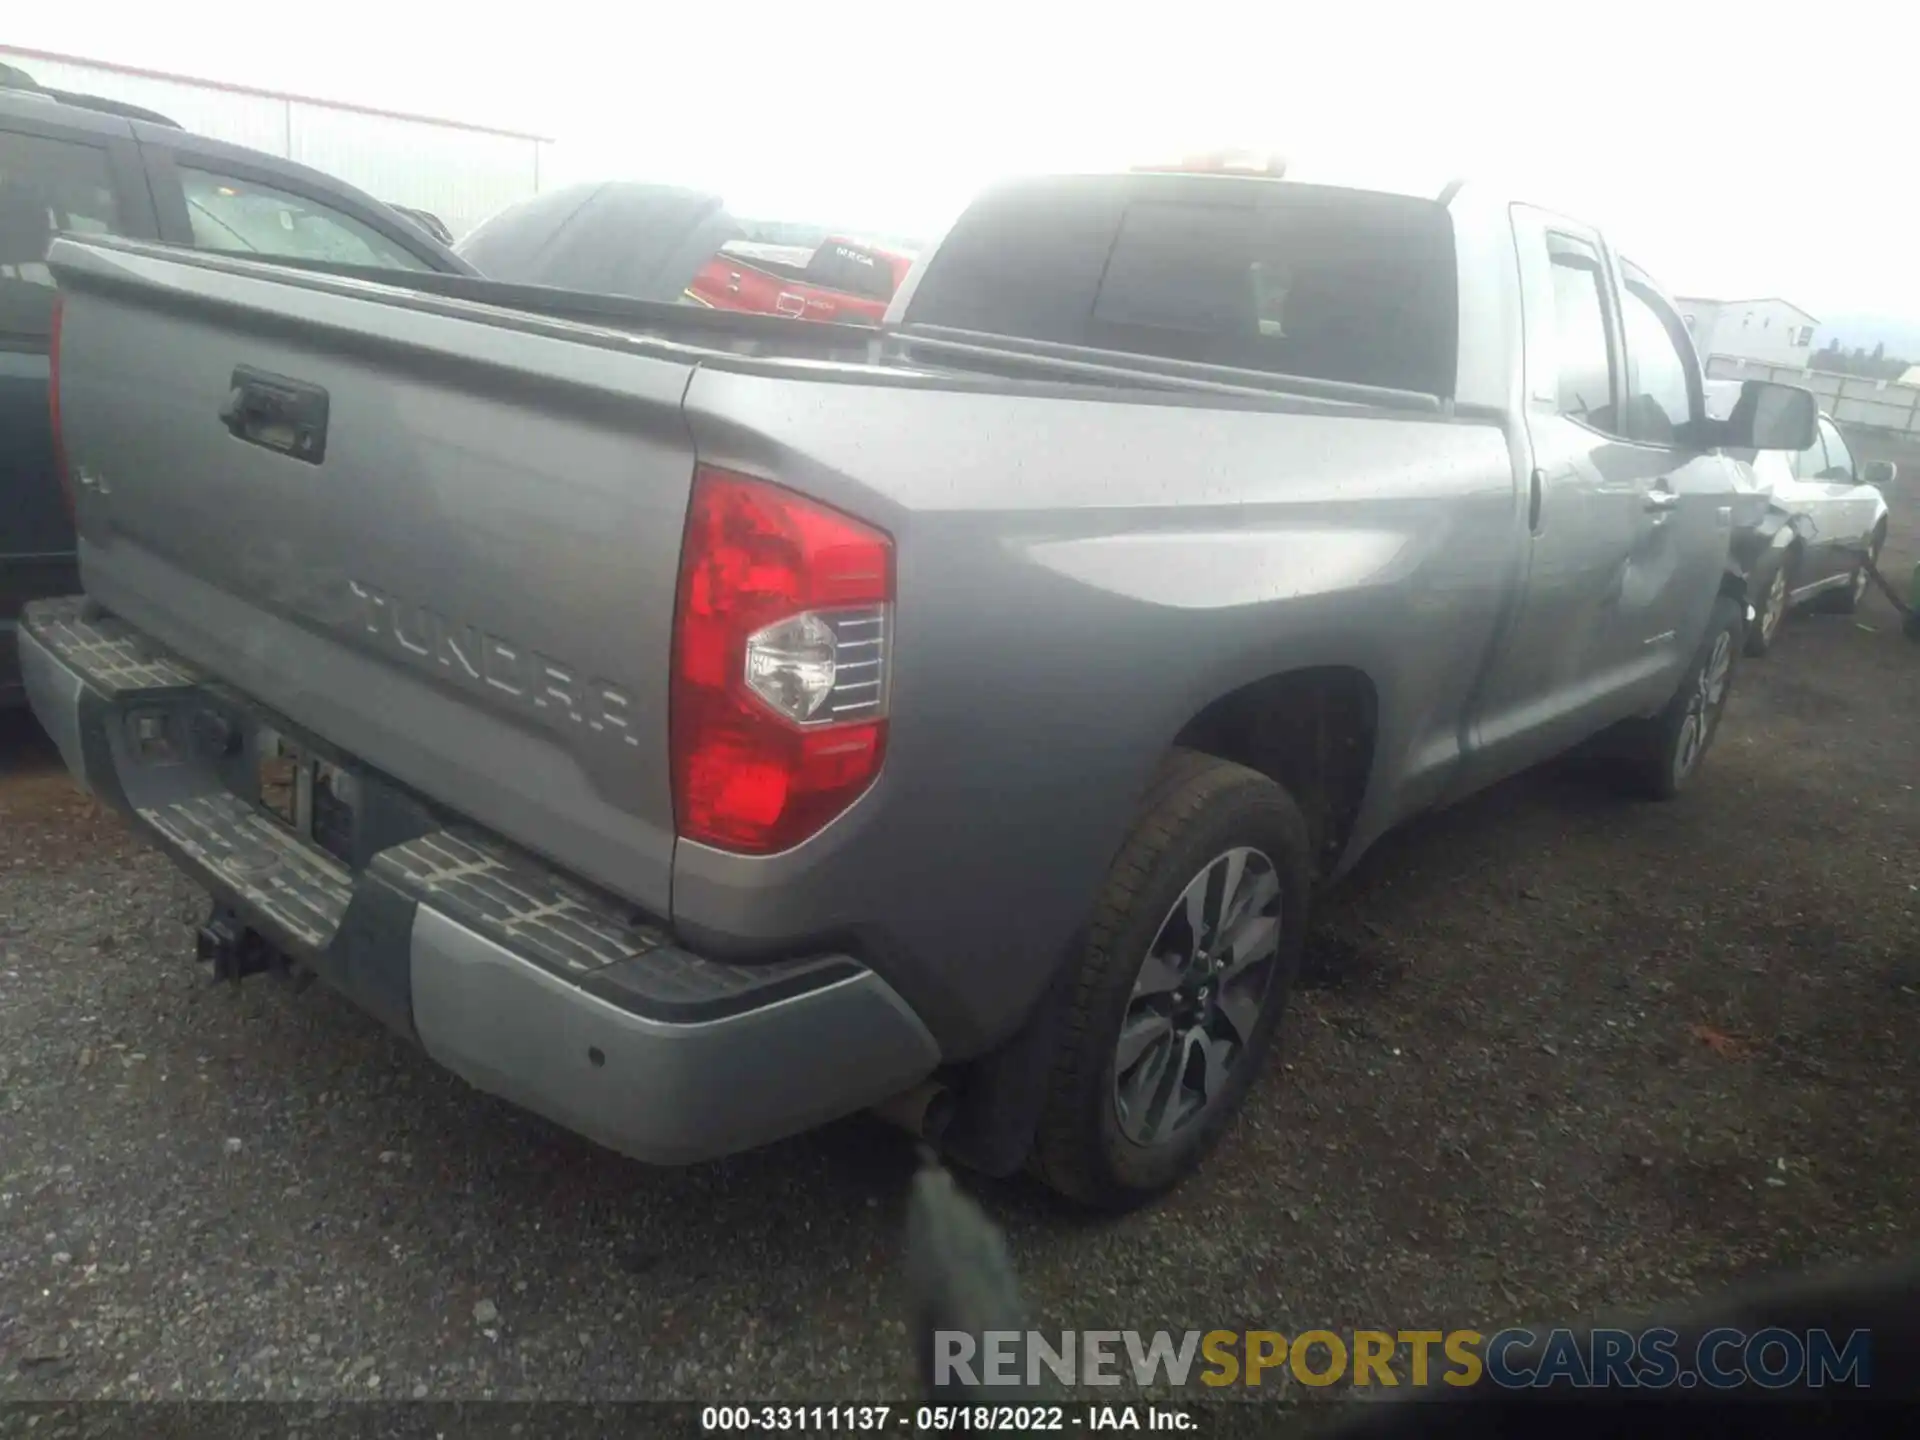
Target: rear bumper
<point x="525" y="983"/>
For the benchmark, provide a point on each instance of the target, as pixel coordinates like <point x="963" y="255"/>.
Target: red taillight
<point x="53" y="405"/>
<point x="779" y="710"/>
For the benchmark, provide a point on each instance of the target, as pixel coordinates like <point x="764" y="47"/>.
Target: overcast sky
<point x="1730" y="153"/>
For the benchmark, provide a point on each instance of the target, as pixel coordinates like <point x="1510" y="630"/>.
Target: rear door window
<point x="1302" y="280"/>
<point x="46" y="186"/>
<point x="243" y="217"/>
<point x="1839" y="464"/>
<point x="1810" y="462"/>
<point x="1582" y="349"/>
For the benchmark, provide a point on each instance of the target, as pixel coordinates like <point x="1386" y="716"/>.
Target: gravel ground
<point x="1557" y="1052"/>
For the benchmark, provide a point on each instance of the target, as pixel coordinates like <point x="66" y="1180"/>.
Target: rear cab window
<point x="1302" y="280"/>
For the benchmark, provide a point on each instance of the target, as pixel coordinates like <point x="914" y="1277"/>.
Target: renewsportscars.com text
<point x="1655" y="1358"/>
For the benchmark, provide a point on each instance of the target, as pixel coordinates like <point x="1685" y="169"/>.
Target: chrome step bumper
<point x="531" y="986"/>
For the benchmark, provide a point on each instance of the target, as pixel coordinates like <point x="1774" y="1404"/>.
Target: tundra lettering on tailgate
<point x="481" y="661"/>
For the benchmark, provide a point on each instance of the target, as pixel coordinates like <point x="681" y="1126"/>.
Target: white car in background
<point x="1825" y="511"/>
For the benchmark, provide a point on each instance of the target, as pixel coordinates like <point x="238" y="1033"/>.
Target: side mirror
<point x="1878" y="473"/>
<point x="1771" y="417"/>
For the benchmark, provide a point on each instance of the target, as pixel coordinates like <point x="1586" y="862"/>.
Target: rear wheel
<point x="1665" y="752"/>
<point x="1846" y="601"/>
<point x="1186" y="972"/>
<point x="1771" y="611"/>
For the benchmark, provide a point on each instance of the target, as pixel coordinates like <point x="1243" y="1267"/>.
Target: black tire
<point x="1767" y="619"/>
<point x="1661" y="757"/>
<point x="1847" y="600"/>
<point x="1198" y="814"/>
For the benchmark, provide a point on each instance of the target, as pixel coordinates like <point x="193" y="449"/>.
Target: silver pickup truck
<point x="695" y="727"/>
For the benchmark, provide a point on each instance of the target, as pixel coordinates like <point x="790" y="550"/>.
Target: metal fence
<point x="1874" y="404"/>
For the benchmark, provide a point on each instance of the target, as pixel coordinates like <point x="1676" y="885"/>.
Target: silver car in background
<point x="1825" y="518"/>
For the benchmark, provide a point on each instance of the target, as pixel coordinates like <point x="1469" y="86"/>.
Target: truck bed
<point x="736" y="339"/>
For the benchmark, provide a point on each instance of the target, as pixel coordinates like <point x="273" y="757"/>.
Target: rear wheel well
<point x="1312" y="732"/>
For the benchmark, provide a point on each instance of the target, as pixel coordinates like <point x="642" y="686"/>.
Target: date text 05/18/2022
<point x="940" y="1419"/>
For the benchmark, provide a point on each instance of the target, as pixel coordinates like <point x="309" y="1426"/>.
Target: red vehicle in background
<point x="839" y="279"/>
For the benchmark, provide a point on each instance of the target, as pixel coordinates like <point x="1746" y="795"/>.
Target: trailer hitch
<point x="235" y="949"/>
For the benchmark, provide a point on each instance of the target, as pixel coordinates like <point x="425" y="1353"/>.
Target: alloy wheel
<point x="1863" y="577"/>
<point x="1775" y="609"/>
<point x="1198" y="998"/>
<point x="1709" y="693"/>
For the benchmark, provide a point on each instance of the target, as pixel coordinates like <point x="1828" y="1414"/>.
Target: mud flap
<point x="1000" y="1095"/>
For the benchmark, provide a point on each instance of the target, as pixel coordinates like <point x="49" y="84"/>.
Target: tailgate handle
<point x="276" y="413"/>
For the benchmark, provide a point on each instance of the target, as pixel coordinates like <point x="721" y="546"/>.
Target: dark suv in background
<point x="99" y="167"/>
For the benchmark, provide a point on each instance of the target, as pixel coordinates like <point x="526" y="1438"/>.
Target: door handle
<point x="276" y="413"/>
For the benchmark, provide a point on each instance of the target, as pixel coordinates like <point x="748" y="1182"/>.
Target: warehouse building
<point x="461" y="173"/>
<point x="1770" y="331"/>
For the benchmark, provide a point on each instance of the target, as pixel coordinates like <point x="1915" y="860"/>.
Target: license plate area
<point x="316" y="799"/>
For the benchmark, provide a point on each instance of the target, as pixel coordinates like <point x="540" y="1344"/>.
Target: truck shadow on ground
<point x="24" y="746"/>
<point x="378" y="1140"/>
<point x="519" y="1156"/>
<point x="1426" y="863"/>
